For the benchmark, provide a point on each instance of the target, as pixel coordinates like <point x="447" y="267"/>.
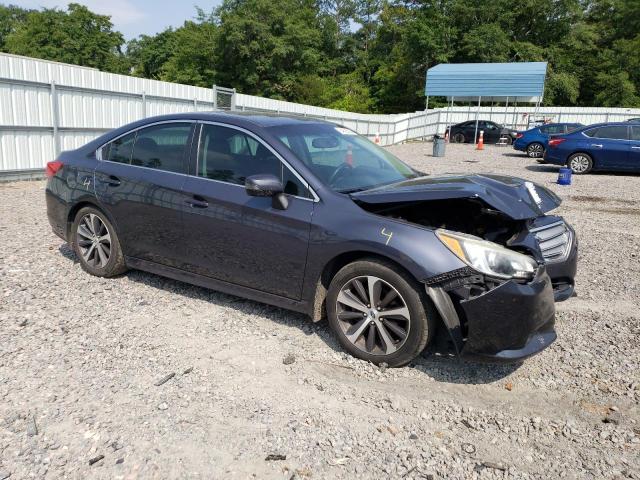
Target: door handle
<point x="597" y="145"/>
<point x="111" y="180"/>
<point x="197" y="202"/>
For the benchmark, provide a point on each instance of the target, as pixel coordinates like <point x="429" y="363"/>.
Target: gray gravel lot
<point x="80" y="358"/>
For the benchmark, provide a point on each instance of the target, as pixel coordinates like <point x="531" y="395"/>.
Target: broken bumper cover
<point x="508" y="323"/>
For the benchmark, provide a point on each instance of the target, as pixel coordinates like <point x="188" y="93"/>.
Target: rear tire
<point x="580" y="163"/>
<point x="458" y="138"/>
<point x="95" y="243"/>
<point x="535" y="150"/>
<point x="365" y="331"/>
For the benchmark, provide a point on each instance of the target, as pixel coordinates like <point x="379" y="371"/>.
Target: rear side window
<point x="635" y="133"/>
<point x="162" y="147"/>
<point x="551" y="129"/>
<point x="120" y="149"/>
<point x="611" y="132"/>
<point x="573" y="126"/>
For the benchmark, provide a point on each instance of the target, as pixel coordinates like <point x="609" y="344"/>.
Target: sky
<point x="132" y="17"/>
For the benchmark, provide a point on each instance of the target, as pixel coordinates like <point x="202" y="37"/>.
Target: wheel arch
<point x="334" y="265"/>
<point x="73" y="211"/>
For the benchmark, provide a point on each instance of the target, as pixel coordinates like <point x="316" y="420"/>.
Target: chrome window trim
<point x="315" y="198"/>
<point x="269" y="147"/>
<point x="99" y="149"/>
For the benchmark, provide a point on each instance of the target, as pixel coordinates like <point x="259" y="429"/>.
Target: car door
<point x="237" y="238"/>
<point x="491" y="131"/>
<point x="470" y="131"/>
<point x="634" y="150"/>
<point x="139" y="182"/>
<point x="609" y="146"/>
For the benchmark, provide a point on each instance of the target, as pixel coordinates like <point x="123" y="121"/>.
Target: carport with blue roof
<point x="518" y="82"/>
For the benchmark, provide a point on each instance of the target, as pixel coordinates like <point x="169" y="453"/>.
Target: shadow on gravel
<point x="543" y="168"/>
<point x="442" y="368"/>
<point x="554" y="169"/>
<point x="456" y="370"/>
<point x="249" y="307"/>
<point x="241" y="305"/>
<point x="67" y="252"/>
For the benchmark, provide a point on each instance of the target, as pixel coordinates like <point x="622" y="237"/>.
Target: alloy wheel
<point x="94" y="240"/>
<point x="579" y="164"/>
<point x="373" y="315"/>
<point x="535" y="150"/>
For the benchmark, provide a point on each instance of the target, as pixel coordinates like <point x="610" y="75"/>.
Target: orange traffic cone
<point x="376" y="139"/>
<point x="480" y="145"/>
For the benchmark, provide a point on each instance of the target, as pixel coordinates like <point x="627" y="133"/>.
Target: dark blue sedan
<point x="534" y="141"/>
<point x="605" y="146"/>
<point x="310" y="216"/>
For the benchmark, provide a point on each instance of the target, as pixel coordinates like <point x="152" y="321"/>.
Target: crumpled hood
<point x="515" y="197"/>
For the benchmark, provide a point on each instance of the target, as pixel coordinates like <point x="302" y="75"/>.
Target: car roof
<point x="608" y="124"/>
<point x="239" y="118"/>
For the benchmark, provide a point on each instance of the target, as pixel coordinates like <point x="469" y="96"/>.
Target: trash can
<point x="438" y="146"/>
<point x="564" y="176"/>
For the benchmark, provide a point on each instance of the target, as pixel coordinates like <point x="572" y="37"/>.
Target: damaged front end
<point x="495" y="319"/>
<point x="501" y="306"/>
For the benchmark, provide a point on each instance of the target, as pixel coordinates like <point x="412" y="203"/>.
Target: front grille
<point x="554" y="241"/>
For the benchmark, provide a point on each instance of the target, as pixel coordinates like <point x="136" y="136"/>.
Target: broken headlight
<point x="488" y="257"/>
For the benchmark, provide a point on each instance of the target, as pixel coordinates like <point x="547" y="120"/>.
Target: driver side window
<point x="229" y="155"/>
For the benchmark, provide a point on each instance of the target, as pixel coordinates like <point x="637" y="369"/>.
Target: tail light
<point x="554" y="142"/>
<point x="53" y="168"/>
<point x="519" y="135"/>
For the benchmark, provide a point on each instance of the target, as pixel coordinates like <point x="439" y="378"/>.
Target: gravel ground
<point x="260" y="392"/>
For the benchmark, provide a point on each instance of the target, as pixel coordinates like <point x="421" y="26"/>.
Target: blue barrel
<point x="564" y="176"/>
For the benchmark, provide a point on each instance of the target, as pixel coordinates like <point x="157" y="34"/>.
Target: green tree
<point x="265" y="46"/>
<point x="77" y="36"/>
<point x="148" y="53"/>
<point x="193" y="50"/>
<point x="10" y="17"/>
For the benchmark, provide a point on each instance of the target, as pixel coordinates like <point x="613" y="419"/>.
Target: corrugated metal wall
<point x="41" y="101"/>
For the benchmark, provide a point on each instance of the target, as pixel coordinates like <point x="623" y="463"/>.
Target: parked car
<point x="605" y="146"/>
<point x="465" y="132"/>
<point x="534" y="140"/>
<point x="311" y="217"/>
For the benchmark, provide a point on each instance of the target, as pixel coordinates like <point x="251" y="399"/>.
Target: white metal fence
<point x="46" y="107"/>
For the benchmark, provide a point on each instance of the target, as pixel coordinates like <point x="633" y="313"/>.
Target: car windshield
<point x="343" y="160"/>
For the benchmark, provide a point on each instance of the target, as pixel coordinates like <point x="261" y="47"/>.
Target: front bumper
<point x="505" y="324"/>
<point x="512" y="321"/>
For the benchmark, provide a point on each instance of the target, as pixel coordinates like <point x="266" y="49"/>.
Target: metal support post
<point x="477" y="113"/>
<point x="55" y="117"/>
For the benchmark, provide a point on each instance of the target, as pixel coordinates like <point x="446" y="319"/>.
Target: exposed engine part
<point x="467" y="215"/>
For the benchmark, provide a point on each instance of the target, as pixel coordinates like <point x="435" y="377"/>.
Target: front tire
<point x="580" y="163"/>
<point x="535" y="150"/>
<point x="379" y="313"/>
<point x="95" y="243"/>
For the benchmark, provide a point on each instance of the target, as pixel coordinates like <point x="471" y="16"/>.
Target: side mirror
<point x="263" y="185"/>
<point x="267" y="185"/>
